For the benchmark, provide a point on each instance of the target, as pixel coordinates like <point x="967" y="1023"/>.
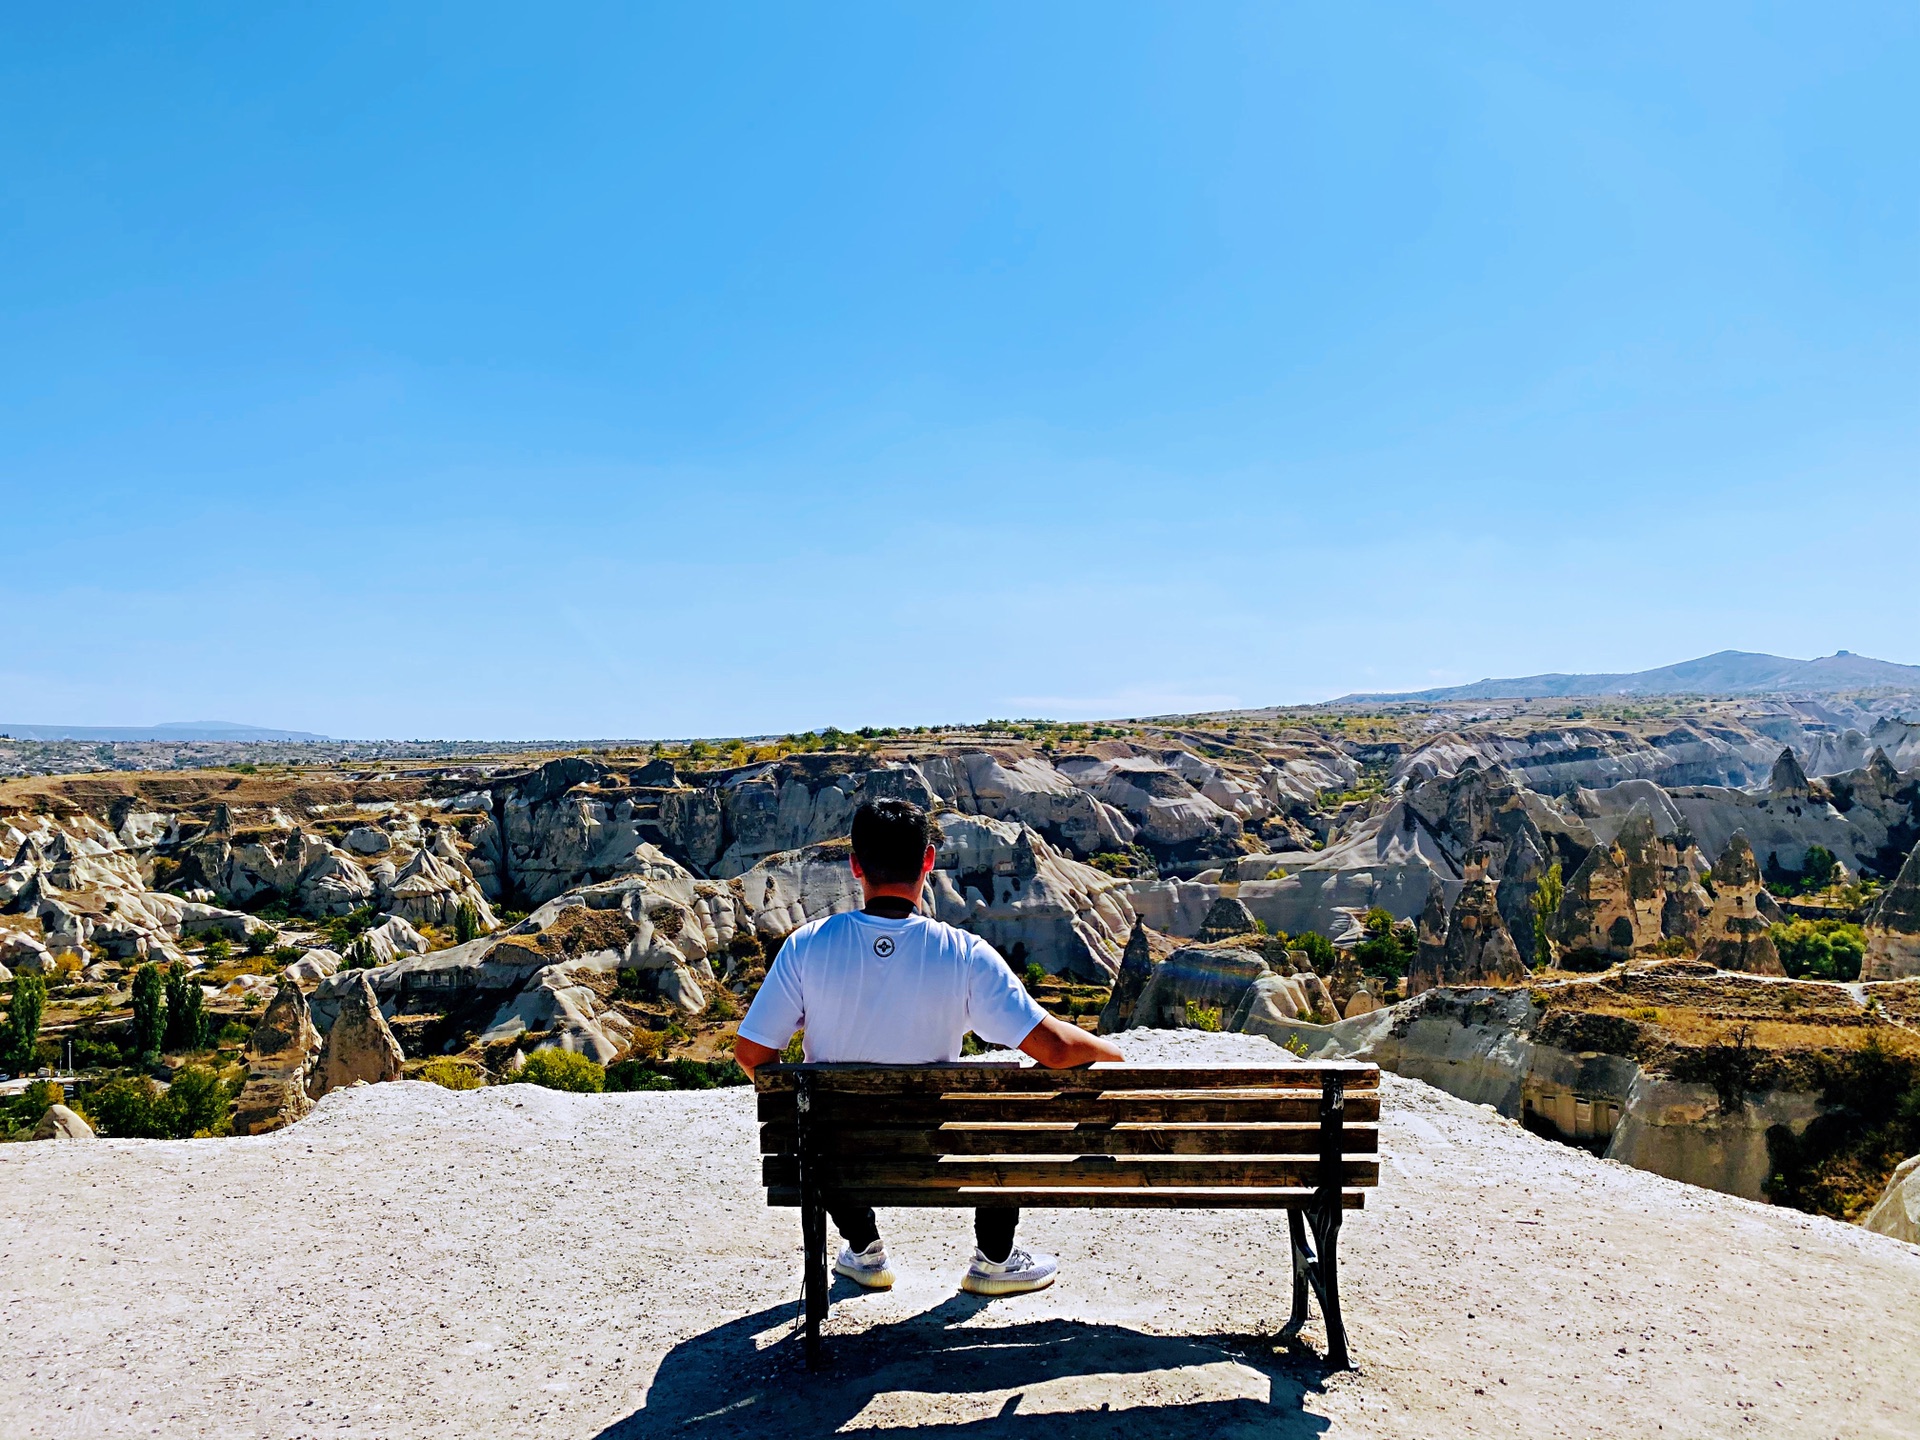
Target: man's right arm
<point x="752" y="1054"/>
<point x="776" y="1012"/>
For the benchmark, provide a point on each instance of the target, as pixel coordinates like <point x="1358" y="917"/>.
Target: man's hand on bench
<point x="1057" y="1045"/>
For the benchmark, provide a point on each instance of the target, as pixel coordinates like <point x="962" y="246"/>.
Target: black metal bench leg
<point x="1326" y="1268"/>
<point x="813" y="1239"/>
<point x="813" y="1225"/>
<point x="1302" y="1275"/>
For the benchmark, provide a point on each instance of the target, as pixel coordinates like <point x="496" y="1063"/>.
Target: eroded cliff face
<point x="1608" y="1082"/>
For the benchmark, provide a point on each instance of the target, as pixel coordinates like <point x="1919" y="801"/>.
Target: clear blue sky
<point x="585" y="370"/>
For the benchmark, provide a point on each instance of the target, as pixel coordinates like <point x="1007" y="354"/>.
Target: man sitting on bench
<point x="885" y="986"/>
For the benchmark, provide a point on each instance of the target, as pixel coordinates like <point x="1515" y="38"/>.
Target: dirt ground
<point x="513" y="1262"/>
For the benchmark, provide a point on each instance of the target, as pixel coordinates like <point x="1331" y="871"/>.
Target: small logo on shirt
<point x="883" y="947"/>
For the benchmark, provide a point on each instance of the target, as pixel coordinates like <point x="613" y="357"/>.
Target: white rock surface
<point x="463" y="1265"/>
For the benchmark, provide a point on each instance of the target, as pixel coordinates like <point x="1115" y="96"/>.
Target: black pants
<point x="993" y="1226"/>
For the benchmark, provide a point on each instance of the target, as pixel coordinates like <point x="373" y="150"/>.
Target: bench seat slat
<point x="1065" y="1138"/>
<point x="1194" y="1107"/>
<point x="1087" y="1199"/>
<point x="988" y="1079"/>
<point x="1083" y="1171"/>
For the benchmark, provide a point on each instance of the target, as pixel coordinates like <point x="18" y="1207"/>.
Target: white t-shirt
<point x="888" y="992"/>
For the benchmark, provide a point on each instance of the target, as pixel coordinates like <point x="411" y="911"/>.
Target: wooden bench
<point x="1302" y="1138"/>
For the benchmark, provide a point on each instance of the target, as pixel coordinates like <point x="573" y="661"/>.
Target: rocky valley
<point x="1679" y="934"/>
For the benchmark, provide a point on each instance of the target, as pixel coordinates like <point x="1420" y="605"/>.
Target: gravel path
<point x="410" y="1262"/>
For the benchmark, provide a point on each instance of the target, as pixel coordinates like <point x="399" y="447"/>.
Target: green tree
<point x="466" y="922"/>
<point x="186" y="1012"/>
<point x="147" y="1011"/>
<point x="1320" y="952"/>
<point x="20" y="1038"/>
<point x="198" y="1102"/>
<point x="1820" y="949"/>
<point x="1818" y="869"/>
<point x="1547" y="896"/>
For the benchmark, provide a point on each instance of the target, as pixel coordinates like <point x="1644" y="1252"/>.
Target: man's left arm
<point x="1056" y="1045"/>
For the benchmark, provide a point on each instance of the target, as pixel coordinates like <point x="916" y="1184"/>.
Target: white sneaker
<point x="1019" y="1272"/>
<point x="868" y="1268"/>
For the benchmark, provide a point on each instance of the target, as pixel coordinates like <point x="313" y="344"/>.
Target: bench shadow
<point x="719" y="1383"/>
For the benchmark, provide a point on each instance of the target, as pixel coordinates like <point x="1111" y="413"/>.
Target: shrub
<point x="650" y="1044"/>
<point x="129" y="1107"/>
<point x="796" y="1049"/>
<point x="628" y="1075"/>
<point x="723" y="1006"/>
<point x="91" y="1050"/>
<point x="343" y="930"/>
<point x="556" y="1069"/>
<point x="1203" y="1017"/>
<point x="450" y="1074"/>
<point x="233" y="1032"/>
<point x="261" y="939"/>
<point x="20" y="1037"/>
<point x="680" y="1074"/>
<point x="148" y="1016"/>
<point x="1036" y="975"/>
<point x="218" y="948"/>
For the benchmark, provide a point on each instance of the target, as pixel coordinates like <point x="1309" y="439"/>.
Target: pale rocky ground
<point x="512" y="1262"/>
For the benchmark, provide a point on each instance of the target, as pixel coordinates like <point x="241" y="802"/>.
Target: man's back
<point x="888" y="992"/>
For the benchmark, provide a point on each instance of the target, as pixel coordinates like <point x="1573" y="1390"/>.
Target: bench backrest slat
<point x="903" y="1080"/>
<point x="1035" y="1138"/>
<point x="1192" y="1107"/>
<point x="910" y="1172"/>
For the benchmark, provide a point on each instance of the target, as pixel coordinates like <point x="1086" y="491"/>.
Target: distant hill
<point x="1730" y="672"/>
<point x="179" y="730"/>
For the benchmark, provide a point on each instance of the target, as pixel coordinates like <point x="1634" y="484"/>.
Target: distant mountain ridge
<point x="1727" y="672"/>
<point x="178" y="730"/>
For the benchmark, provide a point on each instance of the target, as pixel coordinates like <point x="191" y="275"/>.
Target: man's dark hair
<point x="890" y="837"/>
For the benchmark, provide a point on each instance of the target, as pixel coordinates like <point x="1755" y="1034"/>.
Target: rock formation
<point x="280" y="1061"/>
<point x="1614" y="901"/>
<point x="1226" y="918"/>
<point x="1893" y="927"/>
<point x="433" y="885"/>
<point x="1479" y="949"/>
<point x="1197" y="979"/>
<point x="1136" y="968"/>
<point x="359" y="1046"/>
<point x="1361" y="1003"/>
<point x="1787" y="780"/>
<point x="1430" y="953"/>
<point x="1897" y="1212"/>
<point x="1734" y="935"/>
<point x="60" y="1123"/>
